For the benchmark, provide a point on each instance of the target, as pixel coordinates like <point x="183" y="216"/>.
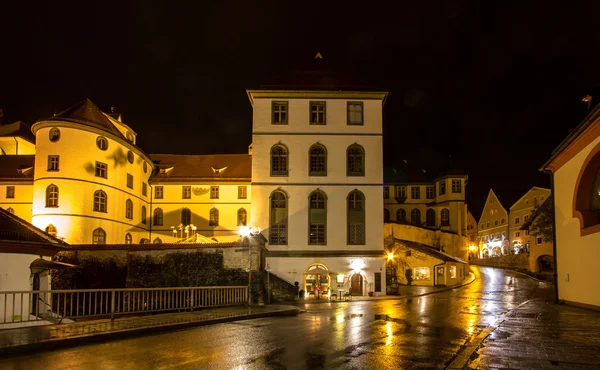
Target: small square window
<point x="130" y="181"/>
<point x="456" y="186"/>
<point x="415" y="192"/>
<point x="539" y="240"/>
<point x="280" y="113"/>
<point x="386" y="192"/>
<point x="214" y="192"/>
<point x="53" y="162"/>
<point x="317" y="113"/>
<point x="186" y="192"/>
<point x="158" y="192"/>
<point x="430" y="192"/>
<point x="10" y="191"/>
<point x="242" y="192"/>
<point x="101" y="170"/>
<point x="355" y="113"/>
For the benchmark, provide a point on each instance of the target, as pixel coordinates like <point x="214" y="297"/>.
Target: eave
<point x="315" y="94"/>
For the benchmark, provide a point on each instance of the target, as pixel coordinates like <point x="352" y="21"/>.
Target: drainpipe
<point x="554" y="236"/>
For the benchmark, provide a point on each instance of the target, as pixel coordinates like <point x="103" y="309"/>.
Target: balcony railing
<point x="55" y="305"/>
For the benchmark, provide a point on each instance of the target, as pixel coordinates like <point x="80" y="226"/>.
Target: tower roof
<point x="87" y="113"/>
<point x="17" y="129"/>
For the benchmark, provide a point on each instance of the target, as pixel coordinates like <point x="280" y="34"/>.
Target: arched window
<point x="10" y="210"/>
<point x="129" y="209"/>
<point x="317" y="160"/>
<point x="587" y="194"/>
<point x="144" y="215"/>
<point x="242" y="217"/>
<point x="186" y="216"/>
<point x="51" y="230"/>
<point x="278" y="230"/>
<point x="386" y="215"/>
<point x="214" y="217"/>
<point x="401" y="215"/>
<point x="158" y="217"/>
<point x="279" y="160"/>
<point x="102" y="143"/>
<point x="355" y="160"/>
<point x="100" y="201"/>
<point x="157" y="241"/>
<point x="54" y="134"/>
<point x="415" y="216"/>
<point x="317" y="218"/>
<point x="445" y="217"/>
<point x="52" y="196"/>
<point x="430" y="217"/>
<point x="99" y="236"/>
<point x="128" y="238"/>
<point x="356" y="218"/>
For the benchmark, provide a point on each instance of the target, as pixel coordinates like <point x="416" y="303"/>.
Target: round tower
<point x="91" y="180"/>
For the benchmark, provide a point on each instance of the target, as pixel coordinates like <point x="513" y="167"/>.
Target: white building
<point x="317" y="176"/>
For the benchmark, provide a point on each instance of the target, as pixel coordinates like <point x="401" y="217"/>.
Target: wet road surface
<point x="410" y="333"/>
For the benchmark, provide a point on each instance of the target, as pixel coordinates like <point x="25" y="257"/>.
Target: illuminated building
<point x="493" y="228"/>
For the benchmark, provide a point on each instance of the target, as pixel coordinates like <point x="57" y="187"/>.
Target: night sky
<point x="496" y="86"/>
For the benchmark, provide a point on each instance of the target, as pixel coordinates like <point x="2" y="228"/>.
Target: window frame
<point x="456" y="186"/>
<point x="356" y="157"/>
<point x="348" y="113"/>
<point x="100" y="201"/>
<point x="415" y="192"/>
<point x="186" y="215"/>
<point x="52" y="193"/>
<point x="242" y="192"/>
<point x="130" y="181"/>
<point x="144" y="215"/>
<point x="430" y="192"/>
<point x="214" y="192"/>
<point x="316" y="104"/>
<point x="101" y="169"/>
<point x="213" y="217"/>
<point x="445" y="217"/>
<point x="322" y="157"/>
<point x="442" y="187"/>
<point x="54" y="134"/>
<point x="313" y="207"/>
<point x="102" y="143"/>
<point x="158" y="217"/>
<point x="129" y="209"/>
<point x="144" y="189"/>
<point x="186" y="192"/>
<point x="281" y="156"/>
<point x="53" y="163"/>
<point x="359" y="207"/>
<point x="242" y="221"/>
<point x="277" y="113"/>
<point x="98" y="236"/>
<point x="278" y="240"/>
<point x="159" y="192"/>
<point x="10" y="192"/>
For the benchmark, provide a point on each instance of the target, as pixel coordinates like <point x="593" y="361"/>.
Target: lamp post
<point x="247" y="232"/>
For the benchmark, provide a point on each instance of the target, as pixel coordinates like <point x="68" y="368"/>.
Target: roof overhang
<point x="316" y="94"/>
<point x="40" y="265"/>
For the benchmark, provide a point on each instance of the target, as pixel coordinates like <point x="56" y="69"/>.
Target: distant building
<point x="473" y="236"/>
<point x="575" y="169"/>
<point x="493" y="228"/>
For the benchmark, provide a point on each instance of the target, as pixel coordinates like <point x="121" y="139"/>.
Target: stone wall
<point x="514" y="261"/>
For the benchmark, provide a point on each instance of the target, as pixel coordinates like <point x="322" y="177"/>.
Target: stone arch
<point x="545" y="263"/>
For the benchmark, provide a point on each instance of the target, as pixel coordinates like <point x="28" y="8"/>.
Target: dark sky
<point x="495" y="84"/>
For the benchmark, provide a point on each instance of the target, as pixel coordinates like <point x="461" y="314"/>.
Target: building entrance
<point x="356" y="284"/>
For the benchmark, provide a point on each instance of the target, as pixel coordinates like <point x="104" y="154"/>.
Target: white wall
<point x="578" y="257"/>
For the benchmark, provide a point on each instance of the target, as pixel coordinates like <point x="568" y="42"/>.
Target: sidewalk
<point x="52" y="336"/>
<point x="536" y="335"/>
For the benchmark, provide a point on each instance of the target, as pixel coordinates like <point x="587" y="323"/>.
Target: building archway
<point x="317" y="281"/>
<point x="545" y="263"/>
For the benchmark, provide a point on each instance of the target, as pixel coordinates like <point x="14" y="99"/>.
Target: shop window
<point x="422" y="273"/>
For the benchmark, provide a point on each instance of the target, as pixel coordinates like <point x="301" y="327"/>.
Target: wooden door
<point x="357" y="284"/>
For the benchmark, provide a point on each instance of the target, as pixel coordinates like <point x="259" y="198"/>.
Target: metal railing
<point x="55" y="305"/>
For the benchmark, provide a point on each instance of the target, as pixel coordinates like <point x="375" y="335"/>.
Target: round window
<point x="145" y="166"/>
<point x="102" y="143"/>
<point x="130" y="156"/>
<point x="54" y="134"/>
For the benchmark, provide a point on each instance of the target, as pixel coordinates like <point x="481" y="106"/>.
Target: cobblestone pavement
<point x="542" y="335"/>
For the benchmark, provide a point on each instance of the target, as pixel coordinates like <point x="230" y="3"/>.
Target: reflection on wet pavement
<point x="421" y="332"/>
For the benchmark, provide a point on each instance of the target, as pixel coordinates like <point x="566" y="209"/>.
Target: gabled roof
<point x="429" y="250"/>
<point x="19" y="236"/>
<point x="17" y="167"/>
<point x="221" y="167"/>
<point x="507" y="197"/>
<point x="405" y="172"/>
<point x="17" y="129"/>
<point x="527" y="192"/>
<point x="87" y="113"/>
<point x="318" y="74"/>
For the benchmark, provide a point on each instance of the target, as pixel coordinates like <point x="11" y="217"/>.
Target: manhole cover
<point x="523" y="315"/>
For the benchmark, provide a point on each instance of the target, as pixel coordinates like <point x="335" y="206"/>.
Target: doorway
<point x="34" y="296"/>
<point x="356" y="284"/>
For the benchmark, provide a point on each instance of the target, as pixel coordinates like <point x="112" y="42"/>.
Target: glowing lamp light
<point x="244" y="231"/>
<point x="340" y="278"/>
<point x="472" y="248"/>
<point x="358" y="264"/>
<point x="390" y="256"/>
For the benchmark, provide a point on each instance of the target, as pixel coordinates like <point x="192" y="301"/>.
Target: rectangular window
<point x="456" y="186"/>
<point x="517" y="234"/>
<point x="400" y="191"/>
<point x="495" y="222"/>
<point x="487" y="224"/>
<point x="317" y="113"/>
<point x="452" y="272"/>
<point x="10" y="191"/>
<point x="158" y="192"/>
<point x="527" y="232"/>
<point x="101" y="170"/>
<point x="317" y="233"/>
<point x="430" y="192"/>
<point x="130" y="181"/>
<point x="144" y="189"/>
<point x="53" y="163"/>
<point x="355" y="113"/>
<point x="442" y="187"/>
<point x="502" y="221"/>
<point x="415" y="192"/>
<point x="186" y="192"/>
<point x="378" y="282"/>
<point x="214" y="192"/>
<point x="386" y="192"/>
<point x="357" y="234"/>
<point x="280" y="112"/>
<point x="517" y="220"/>
<point x="539" y="240"/>
<point x="481" y="225"/>
<point x="242" y="192"/>
<point x="422" y="273"/>
<point x="525" y="218"/>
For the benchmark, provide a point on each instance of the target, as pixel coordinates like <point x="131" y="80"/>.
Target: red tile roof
<point x="215" y="167"/>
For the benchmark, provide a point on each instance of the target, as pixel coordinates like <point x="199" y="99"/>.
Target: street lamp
<point x="247" y="232"/>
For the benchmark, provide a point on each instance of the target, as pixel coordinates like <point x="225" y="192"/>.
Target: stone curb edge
<point x="127" y="333"/>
